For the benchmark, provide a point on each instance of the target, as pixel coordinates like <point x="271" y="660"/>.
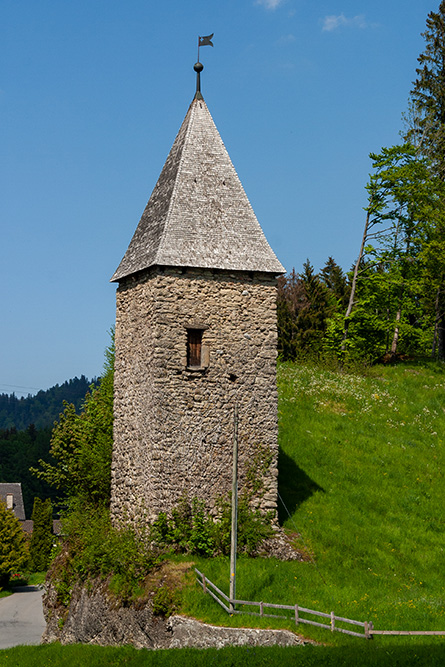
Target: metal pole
<point x="232" y="592"/>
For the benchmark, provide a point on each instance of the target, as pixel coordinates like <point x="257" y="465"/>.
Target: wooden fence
<point x="229" y="606"/>
<point x="368" y="629"/>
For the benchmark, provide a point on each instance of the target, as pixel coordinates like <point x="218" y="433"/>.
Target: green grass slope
<point x="361" y="473"/>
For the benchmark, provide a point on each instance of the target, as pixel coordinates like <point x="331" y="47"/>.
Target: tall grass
<point x="362" y="465"/>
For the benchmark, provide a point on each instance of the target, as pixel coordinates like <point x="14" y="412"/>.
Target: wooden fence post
<point x="332" y="621"/>
<point x="204" y="586"/>
<point x="261" y="608"/>
<point x="234" y="528"/>
<point x="296" y="615"/>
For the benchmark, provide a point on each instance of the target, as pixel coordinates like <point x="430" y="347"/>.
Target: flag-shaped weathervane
<point x="205" y="41"/>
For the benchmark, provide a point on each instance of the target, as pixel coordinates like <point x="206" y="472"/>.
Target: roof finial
<point x="198" y="67"/>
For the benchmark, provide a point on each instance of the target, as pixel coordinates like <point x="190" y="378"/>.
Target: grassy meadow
<point x="362" y="476"/>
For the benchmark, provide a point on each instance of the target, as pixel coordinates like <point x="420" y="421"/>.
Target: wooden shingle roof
<point x="198" y="214"/>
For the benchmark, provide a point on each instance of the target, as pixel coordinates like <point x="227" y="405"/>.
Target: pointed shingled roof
<point x="198" y="214"/>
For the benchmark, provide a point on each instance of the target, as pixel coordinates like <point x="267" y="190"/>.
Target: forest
<point x="391" y="304"/>
<point x="44" y="408"/>
<point x="25" y="433"/>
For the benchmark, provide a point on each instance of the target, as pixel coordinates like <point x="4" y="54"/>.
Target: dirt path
<point x="21" y="617"/>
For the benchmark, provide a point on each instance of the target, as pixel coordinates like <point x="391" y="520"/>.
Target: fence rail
<point x="409" y="632"/>
<point x="368" y="629"/>
<point x="229" y="606"/>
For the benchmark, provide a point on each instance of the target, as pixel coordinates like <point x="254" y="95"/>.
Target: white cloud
<point x="286" y="39"/>
<point x="270" y="4"/>
<point x="333" y="22"/>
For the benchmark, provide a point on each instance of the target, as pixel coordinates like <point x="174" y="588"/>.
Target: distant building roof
<point x="198" y="214"/>
<point x="11" y="494"/>
<point x="27" y="525"/>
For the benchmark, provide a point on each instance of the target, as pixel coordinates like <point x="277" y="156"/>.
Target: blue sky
<point x="92" y="94"/>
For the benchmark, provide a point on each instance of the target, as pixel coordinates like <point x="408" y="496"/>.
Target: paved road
<point x="21" y="617"/>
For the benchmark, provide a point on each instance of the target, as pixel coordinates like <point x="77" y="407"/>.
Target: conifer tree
<point x="314" y="314"/>
<point x="42" y="535"/>
<point x="303" y="305"/>
<point x="427" y="132"/>
<point x="289" y="299"/>
<point x="13" y="554"/>
<point x="337" y="283"/>
<point x="428" y="94"/>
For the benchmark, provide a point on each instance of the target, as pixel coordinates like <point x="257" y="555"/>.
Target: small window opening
<point x="194" y="347"/>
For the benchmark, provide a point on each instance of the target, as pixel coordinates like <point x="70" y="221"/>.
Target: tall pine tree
<point x="427" y="132"/>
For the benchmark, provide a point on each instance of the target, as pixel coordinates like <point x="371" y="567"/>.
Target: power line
<point x="17" y="386"/>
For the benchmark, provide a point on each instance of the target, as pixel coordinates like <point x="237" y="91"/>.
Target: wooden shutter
<point x="194" y="344"/>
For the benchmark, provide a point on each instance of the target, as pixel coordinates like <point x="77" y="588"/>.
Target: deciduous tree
<point x="81" y="445"/>
<point x="402" y="197"/>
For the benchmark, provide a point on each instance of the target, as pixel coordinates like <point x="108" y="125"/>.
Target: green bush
<point x="96" y="549"/>
<point x="191" y="529"/>
<point x="12" y="545"/>
<point x="165" y="601"/>
<point x="18" y="579"/>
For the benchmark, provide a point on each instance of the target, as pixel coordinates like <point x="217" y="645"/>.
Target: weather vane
<point x="198" y="66"/>
<point x="205" y="41"/>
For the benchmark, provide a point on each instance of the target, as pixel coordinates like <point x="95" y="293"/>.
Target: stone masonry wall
<point x="173" y="426"/>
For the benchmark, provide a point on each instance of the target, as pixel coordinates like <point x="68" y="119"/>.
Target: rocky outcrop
<point x="189" y="632"/>
<point x="93" y="617"/>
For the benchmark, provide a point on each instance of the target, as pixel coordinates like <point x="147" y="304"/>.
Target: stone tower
<point x="195" y="334"/>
